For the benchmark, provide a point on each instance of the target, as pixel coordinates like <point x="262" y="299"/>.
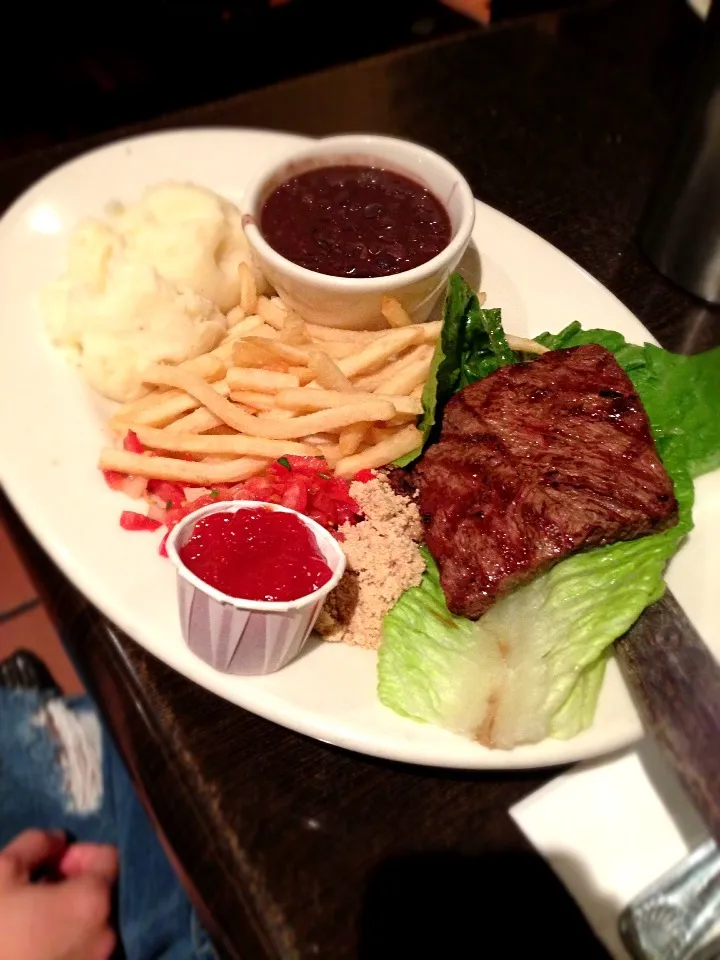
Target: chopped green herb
<point x="215" y="493"/>
<point x="168" y="504"/>
<point x="324" y="476"/>
<point x="284" y="462"/>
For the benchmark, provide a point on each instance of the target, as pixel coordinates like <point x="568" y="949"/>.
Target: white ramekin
<point x="355" y="303"/>
<point x="247" y="637"/>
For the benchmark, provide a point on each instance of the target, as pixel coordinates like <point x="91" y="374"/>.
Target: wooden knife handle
<point x="675" y="682"/>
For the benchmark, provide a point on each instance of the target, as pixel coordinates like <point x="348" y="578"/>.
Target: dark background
<point x="77" y="68"/>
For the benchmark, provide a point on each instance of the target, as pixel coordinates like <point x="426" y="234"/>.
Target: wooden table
<point x="291" y="848"/>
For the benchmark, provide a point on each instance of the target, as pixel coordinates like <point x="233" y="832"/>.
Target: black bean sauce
<point x="355" y="221"/>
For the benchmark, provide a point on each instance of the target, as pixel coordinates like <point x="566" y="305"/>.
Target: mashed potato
<point x="150" y="283"/>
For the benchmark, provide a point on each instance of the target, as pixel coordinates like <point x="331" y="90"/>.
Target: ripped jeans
<point x="59" y="770"/>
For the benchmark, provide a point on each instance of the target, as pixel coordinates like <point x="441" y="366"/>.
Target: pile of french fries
<point x="278" y="385"/>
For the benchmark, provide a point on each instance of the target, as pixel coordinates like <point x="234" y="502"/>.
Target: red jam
<point x="256" y="554"/>
<point x="355" y="221"/>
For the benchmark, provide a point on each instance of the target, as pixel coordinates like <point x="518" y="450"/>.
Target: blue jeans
<point x="59" y="770"/>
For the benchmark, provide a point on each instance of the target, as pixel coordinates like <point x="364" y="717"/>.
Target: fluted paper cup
<point x="248" y="637"/>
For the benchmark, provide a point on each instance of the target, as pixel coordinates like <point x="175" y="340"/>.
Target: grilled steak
<point x="535" y="462"/>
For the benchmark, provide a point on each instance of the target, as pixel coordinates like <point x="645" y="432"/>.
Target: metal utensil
<point x="675" y="682"/>
<point x="670" y="919"/>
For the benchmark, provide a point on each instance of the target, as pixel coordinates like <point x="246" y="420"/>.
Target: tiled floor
<point x="24" y="622"/>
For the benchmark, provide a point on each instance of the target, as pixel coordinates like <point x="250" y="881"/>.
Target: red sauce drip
<point x="256" y="554"/>
<point x="355" y="221"/>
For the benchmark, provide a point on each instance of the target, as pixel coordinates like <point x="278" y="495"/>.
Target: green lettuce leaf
<point x="681" y="395"/>
<point x="471" y="345"/>
<point x="533" y="665"/>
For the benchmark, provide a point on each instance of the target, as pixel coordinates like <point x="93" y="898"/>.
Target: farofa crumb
<point x="383" y="560"/>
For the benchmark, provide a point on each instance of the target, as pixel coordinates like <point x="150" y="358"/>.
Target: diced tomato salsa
<point x="305" y="484"/>
<point x="132" y="444"/>
<point x="130" y="520"/>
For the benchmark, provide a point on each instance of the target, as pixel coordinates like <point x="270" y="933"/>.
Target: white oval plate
<point x="51" y="429"/>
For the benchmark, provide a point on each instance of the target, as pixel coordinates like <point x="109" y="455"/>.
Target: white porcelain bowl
<point x="247" y="637"/>
<point x="355" y="303"/>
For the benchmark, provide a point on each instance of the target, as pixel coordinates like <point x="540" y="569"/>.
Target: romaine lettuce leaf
<point x="681" y="395"/>
<point x="533" y="665"/>
<point x="471" y="345"/>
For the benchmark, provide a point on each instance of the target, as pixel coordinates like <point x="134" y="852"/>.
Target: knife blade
<point x="675" y="683"/>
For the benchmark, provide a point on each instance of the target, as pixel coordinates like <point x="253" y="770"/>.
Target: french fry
<point x="222" y="352"/>
<point x="522" y="345"/>
<point x="275" y="413"/>
<point x="275" y="349"/>
<point x="180" y="471"/>
<point x="245" y="326"/>
<point x="234" y="316"/>
<point x="394" y="312"/>
<point x="320" y="439"/>
<point x="319" y="332"/>
<point x="271" y="313"/>
<point x="331" y="454"/>
<point x="236" y="444"/>
<point x="377" y="434"/>
<point x="303" y="374"/>
<point x="128" y="410"/>
<point x="401" y="420"/>
<point x="321" y="421"/>
<point x="299" y="353"/>
<point x="206" y="366"/>
<point x="406" y="380"/>
<point x="386" y="346"/>
<point x="165" y="411"/>
<point x="248" y="289"/>
<point x="258" y="401"/>
<point x="209" y="366"/>
<point x="336" y="349"/>
<point x="305" y="399"/>
<point x="324" y="420"/>
<point x="199" y="421"/>
<point x="251" y="325"/>
<point x="293" y="330"/>
<point x="418" y="390"/>
<point x="260" y="381"/>
<point x="373" y="380"/>
<point x="328" y="373"/>
<point x="264" y="332"/>
<point x="402" y="442"/>
<point x="296" y="358"/>
<point x="279" y="303"/>
<point x="216" y="458"/>
<point x="430" y="331"/>
<point x="253" y="354"/>
<point x="351" y="438"/>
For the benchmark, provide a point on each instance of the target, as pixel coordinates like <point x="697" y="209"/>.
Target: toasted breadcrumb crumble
<point x="383" y="560"/>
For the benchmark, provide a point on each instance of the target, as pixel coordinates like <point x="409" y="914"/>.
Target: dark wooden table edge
<point x="200" y="115"/>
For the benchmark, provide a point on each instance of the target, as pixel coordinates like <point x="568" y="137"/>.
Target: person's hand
<point x="66" y="919"/>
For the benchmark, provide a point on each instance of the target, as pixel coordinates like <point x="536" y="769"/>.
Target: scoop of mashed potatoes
<point x="151" y="283"/>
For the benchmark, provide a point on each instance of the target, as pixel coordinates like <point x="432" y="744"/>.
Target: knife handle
<point x="675" y="683"/>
